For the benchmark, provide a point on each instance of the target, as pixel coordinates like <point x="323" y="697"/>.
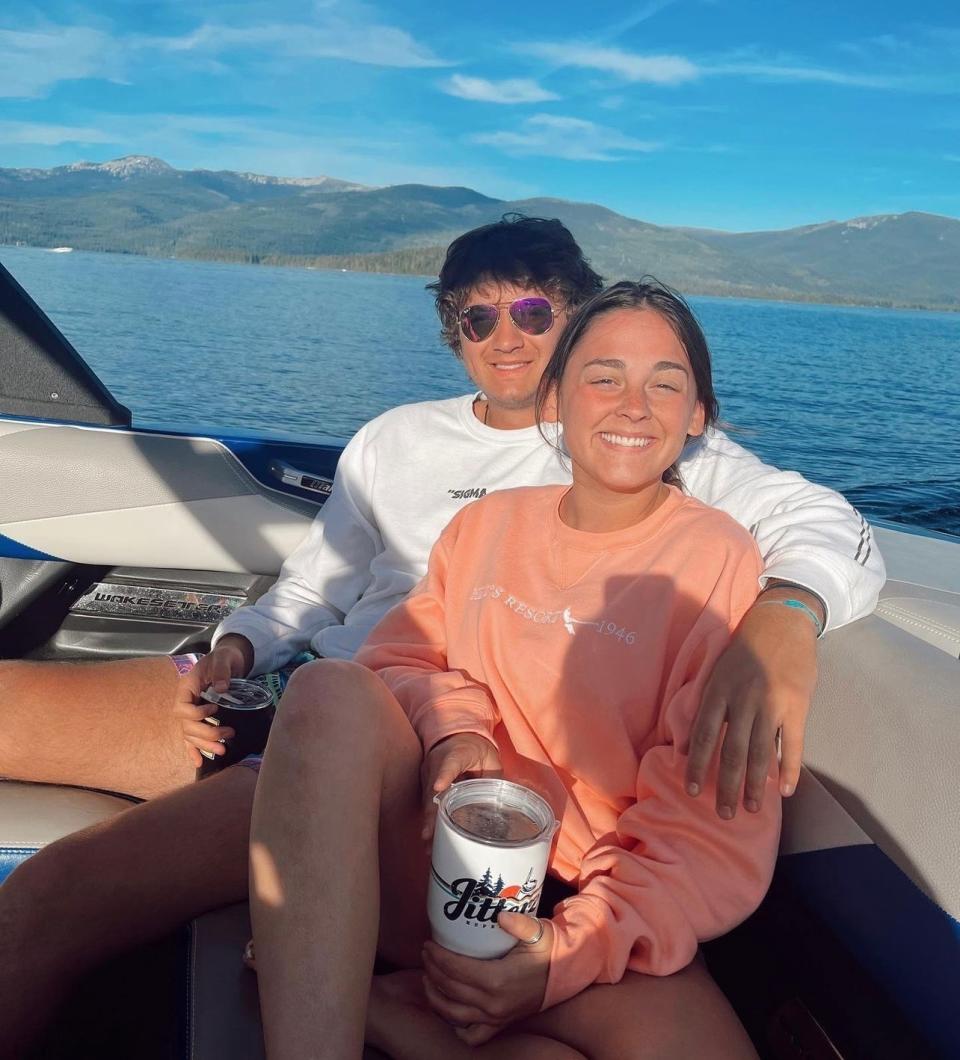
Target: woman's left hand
<point x="478" y="997"/>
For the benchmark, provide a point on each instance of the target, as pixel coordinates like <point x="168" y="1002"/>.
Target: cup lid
<point x="241" y="695"/>
<point x="497" y="794"/>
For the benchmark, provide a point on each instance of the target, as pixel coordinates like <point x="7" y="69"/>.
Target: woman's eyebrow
<point x="613" y="362"/>
<point x="606" y="362"/>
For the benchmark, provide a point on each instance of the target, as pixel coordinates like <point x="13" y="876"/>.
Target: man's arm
<point x="821" y="570"/>
<point x="323" y="577"/>
<point x="807" y="534"/>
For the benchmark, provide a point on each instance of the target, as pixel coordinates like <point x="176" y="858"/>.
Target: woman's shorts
<point x="274" y="682"/>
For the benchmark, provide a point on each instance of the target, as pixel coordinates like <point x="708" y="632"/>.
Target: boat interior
<point x="117" y="541"/>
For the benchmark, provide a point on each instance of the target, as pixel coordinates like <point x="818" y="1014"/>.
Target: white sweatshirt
<point x="405" y="474"/>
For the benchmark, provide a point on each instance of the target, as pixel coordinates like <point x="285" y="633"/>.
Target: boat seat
<point x="869" y="838"/>
<point x="932" y="615"/>
<point x="32" y="815"/>
<point x="223" y="1011"/>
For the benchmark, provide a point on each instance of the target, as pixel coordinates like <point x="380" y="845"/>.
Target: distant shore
<point x="426" y="261"/>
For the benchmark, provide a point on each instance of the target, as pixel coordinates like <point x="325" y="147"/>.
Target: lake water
<point x="864" y="400"/>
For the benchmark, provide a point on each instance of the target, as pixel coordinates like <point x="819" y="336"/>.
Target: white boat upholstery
<point x="32" y="815"/>
<point x="123" y="498"/>
<point x="883" y="738"/>
<point x="929" y="614"/>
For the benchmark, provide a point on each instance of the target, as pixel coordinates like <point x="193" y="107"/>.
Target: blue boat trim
<point x="11" y="857"/>
<point x="12" y="549"/>
<point x="906" y="941"/>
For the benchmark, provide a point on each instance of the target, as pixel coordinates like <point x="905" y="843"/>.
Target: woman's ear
<point x="697" y="421"/>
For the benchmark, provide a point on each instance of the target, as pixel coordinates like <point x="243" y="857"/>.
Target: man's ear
<point x="697" y="421"/>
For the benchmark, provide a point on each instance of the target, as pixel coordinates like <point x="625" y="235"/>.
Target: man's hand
<point x="479" y="998"/>
<point x="232" y="657"/>
<point x="763" y="682"/>
<point x="463" y="754"/>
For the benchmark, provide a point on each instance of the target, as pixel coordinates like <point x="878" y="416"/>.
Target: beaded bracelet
<point x="798" y="605"/>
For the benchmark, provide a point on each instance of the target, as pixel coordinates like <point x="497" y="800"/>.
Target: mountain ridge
<point x="141" y="205"/>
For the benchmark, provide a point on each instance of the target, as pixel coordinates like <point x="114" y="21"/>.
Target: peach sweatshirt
<point x="582" y="657"/>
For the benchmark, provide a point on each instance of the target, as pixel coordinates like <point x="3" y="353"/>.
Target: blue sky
<point x="733" y="114"/>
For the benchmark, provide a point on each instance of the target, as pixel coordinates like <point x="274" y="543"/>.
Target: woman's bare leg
<point x="99" y="725"/>
<point x="339" y="797"/>
<point x="646" y="1017"/>
<point x="400" y="1023"/>
<point x="125" y="881"/>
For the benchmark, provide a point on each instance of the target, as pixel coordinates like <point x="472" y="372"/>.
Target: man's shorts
<point x="274" y="682"/>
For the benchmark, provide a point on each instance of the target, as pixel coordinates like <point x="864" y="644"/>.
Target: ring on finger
<point x="536" y="938"/>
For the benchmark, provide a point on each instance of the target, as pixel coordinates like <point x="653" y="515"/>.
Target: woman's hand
<point x="462" y="754"/>
<point x="763" y="682"/>
<point x="232" y="657"/>
<point x="479" y="998"/>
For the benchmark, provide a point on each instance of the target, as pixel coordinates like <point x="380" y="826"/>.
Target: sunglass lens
<point x="478" y="321"/>
<point x="534" y="316"/>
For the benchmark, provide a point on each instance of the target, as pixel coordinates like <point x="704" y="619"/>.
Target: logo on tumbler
<point x="480" y="902"/>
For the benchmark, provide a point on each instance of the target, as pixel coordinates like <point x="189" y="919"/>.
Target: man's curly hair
<point x="530" y="252"/>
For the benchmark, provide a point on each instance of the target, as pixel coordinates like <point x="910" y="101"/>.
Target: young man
<point x="503" y="296"/>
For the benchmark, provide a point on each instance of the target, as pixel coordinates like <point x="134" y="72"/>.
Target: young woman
<point x="521" y="651"/>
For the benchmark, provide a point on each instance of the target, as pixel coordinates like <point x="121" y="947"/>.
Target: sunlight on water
<point x="865" y="400"/>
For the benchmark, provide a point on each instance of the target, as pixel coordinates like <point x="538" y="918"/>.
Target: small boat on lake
<point x="117" y="540"/>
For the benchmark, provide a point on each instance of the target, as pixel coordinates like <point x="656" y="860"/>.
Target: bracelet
<point x="798" y="605"/>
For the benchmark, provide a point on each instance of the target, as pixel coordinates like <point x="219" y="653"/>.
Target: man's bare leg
<point x="125" y="881"/>
<point x="338" y="802"/>
<point x="100" y="725"/>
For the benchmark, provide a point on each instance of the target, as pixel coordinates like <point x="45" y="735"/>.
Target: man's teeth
<point x="622" y="439"/>
<point x="510" y="367"/>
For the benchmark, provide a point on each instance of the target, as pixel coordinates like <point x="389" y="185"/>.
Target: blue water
<point x="864" y="400"/>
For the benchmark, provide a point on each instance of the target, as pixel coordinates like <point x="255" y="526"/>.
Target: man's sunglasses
<point x="533" y="316"/>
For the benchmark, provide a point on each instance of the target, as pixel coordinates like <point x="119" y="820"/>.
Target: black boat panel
<point x="41" y="374"/>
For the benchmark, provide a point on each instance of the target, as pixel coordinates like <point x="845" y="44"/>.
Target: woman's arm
<point x="676" y="873"/>
<point x="408" y="650"/>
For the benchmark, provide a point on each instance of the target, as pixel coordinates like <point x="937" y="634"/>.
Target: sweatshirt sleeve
<point x="323" y="577"/>
<point x="408" y="650"/>
<point x="675" y="873"/>
<point x="807" y="534"/>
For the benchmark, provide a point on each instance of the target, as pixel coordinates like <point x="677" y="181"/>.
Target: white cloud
<point x="560" y="137"/>
<point x="371" y="44"/>
<point x="782" y="72"/>
<point x="365" y="155"/>
<point x="25" y="132"/>
<point x="514" y="90"/>
<point x="676" y="69"/>
<point x="32" y="62"/>
<point x="650" y="69"/>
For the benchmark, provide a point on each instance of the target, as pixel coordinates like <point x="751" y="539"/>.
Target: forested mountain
<point x="141" y="205"/>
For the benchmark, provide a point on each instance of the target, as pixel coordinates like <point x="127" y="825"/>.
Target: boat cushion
<point x="32" y="815"/>
<point x="929" y="614"/>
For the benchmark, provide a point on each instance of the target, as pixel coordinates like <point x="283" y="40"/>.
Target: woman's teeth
<point x="622" y="439"/>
